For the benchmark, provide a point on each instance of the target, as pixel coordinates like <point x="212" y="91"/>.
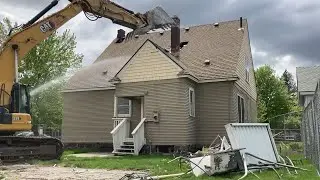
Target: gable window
<point x="247" y="69"/>
<point x="122" y="107"/>
<point x="240" y="109"/>
<point x="192" y="105"/>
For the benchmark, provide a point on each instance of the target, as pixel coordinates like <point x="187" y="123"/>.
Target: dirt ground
<point x="35" y="172"/>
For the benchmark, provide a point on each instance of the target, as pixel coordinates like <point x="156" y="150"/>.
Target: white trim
<point x="115" y="112"/>
<point x="89" y="89"/>
<point x="142" y="107"/>
<point x="193" y="108"/>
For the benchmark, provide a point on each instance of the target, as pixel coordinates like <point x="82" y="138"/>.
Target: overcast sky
<point x="283" y="33"/>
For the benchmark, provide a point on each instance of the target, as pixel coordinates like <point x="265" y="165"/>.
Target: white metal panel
<point x="256" y="138"/>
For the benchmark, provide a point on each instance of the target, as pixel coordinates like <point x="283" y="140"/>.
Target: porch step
<point x="129" y="140"/>
<point x="127" y="146"/>
<point x="125" y="150"/>
<point x="122" y="153"/>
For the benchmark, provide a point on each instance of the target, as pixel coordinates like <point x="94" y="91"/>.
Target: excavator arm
<point x="32" y="33"/>
<point x="14" y="97"/>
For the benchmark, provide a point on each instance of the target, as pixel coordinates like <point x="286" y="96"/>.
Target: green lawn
<point x="158" y="165"/>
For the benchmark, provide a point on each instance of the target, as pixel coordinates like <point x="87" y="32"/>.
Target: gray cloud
<point x="280" y="30"/>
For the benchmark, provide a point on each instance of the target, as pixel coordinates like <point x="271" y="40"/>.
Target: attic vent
<point x="207" y="62"/>
<point x="161" y="33"/>
<point x="187" y="29"/>
<point x="105" y="72"/>
<point x="216" y="24"/>
<point x="184" y="43"/>
<point x="136" y="36"/>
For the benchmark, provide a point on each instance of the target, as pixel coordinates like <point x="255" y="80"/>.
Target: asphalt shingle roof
<point x="308" y="78"/>
<point x="97" y="75"/>
<point x="219" y="44"/>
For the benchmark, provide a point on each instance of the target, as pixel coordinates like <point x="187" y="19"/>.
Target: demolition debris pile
<point x="252" y="148"/>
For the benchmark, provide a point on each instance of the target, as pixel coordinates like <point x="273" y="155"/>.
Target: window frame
<point x="192" y="103"/>
<point x="115" y="112"/>
<point x="241" y="112"/>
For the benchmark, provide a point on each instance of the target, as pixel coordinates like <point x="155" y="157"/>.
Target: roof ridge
<point x="220" y="22"/>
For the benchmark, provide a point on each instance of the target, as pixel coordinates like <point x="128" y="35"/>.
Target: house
<point x="167" y="90"/>
<point x="307" y="78"/>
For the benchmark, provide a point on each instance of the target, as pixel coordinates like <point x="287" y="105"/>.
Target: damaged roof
<point x="220" y="44"/>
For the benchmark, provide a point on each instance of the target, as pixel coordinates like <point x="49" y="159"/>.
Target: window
<point x="247" y="69"/>
<point x="192" y="105"/>
<point x="122" y="107"/>
<point x="240" y="109"/>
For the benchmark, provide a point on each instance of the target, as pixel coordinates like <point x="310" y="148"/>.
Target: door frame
<point x="142" y="108"/>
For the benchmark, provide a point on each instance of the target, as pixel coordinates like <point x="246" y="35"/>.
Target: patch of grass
<point x="158" y="165"/>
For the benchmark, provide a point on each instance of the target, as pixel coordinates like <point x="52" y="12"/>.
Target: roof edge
<point x="88" y="89"/>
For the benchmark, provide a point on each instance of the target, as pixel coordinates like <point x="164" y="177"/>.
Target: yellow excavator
<point x="14" y="97"/>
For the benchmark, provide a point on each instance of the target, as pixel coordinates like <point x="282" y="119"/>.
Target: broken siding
<point x="212" y="110"/>
<point x="149" y="64"/>
<point x="170" y="99"/>
<point x="245" y="59"/>
<point x="250" y="111"/>
<point x="87" y="117"/>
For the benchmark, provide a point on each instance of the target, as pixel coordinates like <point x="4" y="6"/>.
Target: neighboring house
<point x="170" y="89"/>
<point x="307" y="78"/>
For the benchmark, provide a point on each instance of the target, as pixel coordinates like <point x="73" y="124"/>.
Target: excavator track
<point x="16" y="148"/>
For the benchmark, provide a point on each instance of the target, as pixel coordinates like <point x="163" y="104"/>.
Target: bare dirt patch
<point x="28" y="172"/>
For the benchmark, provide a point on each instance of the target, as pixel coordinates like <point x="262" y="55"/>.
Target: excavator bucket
<point x="156" y="18"/>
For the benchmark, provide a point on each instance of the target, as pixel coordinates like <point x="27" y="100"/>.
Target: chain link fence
<point x="287" y="135"/>
<point x="49" y="131"/>
<point x="310" y="129"/>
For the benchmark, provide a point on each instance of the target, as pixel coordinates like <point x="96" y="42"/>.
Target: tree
<point x="273" y="98"/>
<point x="44" y="69"/>
<point x="289" y="82"/>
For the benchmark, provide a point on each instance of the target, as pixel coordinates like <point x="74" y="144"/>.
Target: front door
<point x="137" y="113"/>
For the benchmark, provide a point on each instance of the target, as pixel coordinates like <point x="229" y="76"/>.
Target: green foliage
<point x="273" y="98"/>
<point x="43" y="69"/>
<point x="289" y="82"/>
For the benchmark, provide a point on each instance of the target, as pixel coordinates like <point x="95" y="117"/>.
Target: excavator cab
<point x="20" y="102"/>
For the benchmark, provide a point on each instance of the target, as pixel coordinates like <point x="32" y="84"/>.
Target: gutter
<point x="88" y="89"/>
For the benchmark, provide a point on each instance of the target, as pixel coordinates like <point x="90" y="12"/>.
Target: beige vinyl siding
<point x="170" y="99"/>
<point x="245" y="55"/>
<point x="87" y="117"/>
<point x="250" y="111"/>
<point x="149" y="64"/>
<point x="212" y="110"/>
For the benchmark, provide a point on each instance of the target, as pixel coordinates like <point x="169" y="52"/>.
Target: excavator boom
<point x="15" y="98"/>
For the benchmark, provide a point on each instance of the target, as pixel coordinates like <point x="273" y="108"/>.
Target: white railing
<point x="138" y="137"/>
<point x="116" y="121"/>
<point x="120" y="133"/>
